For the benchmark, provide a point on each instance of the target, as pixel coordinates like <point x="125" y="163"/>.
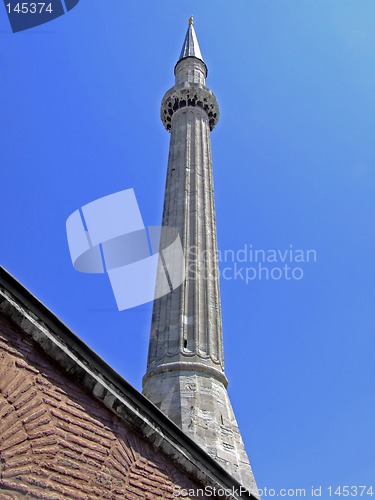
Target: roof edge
<point x="89" y="370"/>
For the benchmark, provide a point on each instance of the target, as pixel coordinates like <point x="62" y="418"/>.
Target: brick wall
<point x="58" y="442"/>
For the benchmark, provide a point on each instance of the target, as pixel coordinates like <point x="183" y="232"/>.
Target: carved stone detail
<point x="193" y="95"/>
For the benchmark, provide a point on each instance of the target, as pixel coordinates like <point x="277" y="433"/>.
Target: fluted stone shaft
<point x="187" y="322"/>
<point x="185" y="373"/>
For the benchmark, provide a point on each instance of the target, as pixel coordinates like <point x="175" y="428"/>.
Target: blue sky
<point x="293" y="158"/>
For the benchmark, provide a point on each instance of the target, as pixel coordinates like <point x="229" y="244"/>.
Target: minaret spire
<point x="185" y="373"/>
<point x="190" y="47"/>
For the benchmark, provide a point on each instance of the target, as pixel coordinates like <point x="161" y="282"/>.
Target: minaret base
<point x="199" y="404"/>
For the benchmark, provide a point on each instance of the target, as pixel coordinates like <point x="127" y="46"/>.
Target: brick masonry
<point x="58" y="442"/>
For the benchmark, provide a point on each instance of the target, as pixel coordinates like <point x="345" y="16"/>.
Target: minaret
<point x="185" y="374"/>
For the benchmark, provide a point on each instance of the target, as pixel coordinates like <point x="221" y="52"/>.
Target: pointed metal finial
<point x="191" y="46"/>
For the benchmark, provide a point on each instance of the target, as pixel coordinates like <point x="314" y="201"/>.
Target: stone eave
<point x="84" y="366"/>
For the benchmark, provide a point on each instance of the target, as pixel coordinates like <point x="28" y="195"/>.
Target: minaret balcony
<point x="189" y="95"/>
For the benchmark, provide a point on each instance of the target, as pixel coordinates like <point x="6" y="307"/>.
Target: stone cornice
<point x="188" y="366"/>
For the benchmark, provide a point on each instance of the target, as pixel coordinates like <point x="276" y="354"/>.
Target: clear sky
<point x="294" y="160"/>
